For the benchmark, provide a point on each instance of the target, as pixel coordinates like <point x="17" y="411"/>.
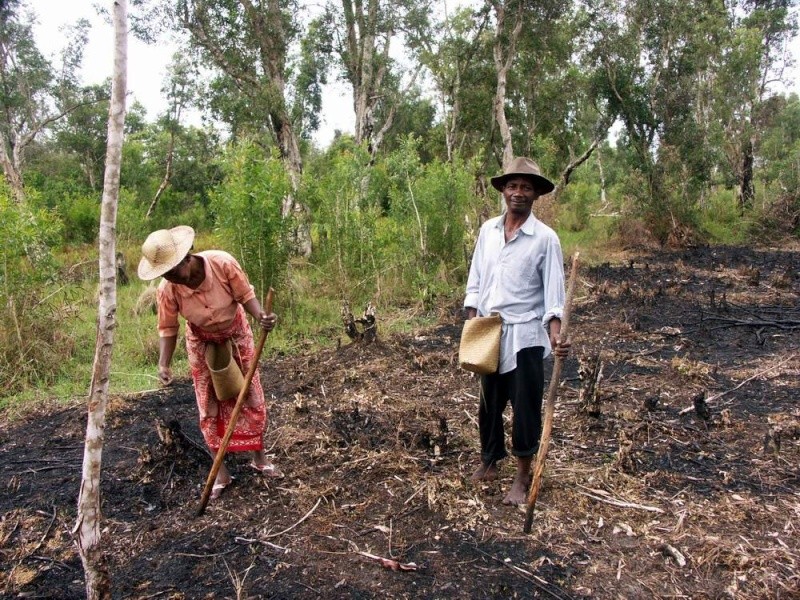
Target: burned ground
<point x="677" y="477"/>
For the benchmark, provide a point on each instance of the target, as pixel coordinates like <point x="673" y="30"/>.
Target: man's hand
<point x="560" y="348"/>
<point x="165" y="375"/>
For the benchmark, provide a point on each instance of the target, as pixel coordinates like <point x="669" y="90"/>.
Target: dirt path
<point x="681" y="479"/>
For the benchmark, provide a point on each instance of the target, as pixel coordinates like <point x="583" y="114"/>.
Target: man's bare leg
<point x="485" y="472"/>
<point x="518" y="494"/>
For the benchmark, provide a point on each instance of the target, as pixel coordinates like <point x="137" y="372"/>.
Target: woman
<point x="212" y="292"/>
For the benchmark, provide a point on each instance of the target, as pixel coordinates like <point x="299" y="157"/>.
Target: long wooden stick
<point x="223" y="446"/>
<point x="550" y="405"/>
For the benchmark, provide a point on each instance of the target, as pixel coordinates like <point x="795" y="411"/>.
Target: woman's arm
<point x="166" y="348"/>
<point x="267" y="321"/>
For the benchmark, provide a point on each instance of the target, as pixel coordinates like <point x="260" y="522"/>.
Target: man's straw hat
<point x="164" y="249"/>
<point x="524" y="167"/>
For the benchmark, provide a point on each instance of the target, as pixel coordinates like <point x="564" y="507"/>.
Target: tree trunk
<point x="267" y="25"/>
<point x="504" y="52"/>
<point x="12" y="172"/>
<point x="451" y="118"/>
<point x="167" y="176"/>
<point x="363" y="70"/>
<point x="292" y="208"/>
<point x="87" y="526"/>
<point x="603" y="199"/>
<point x="747" y="190"/>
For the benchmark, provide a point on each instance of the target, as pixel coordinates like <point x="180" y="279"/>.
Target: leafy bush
<point x="81" y="217"/>
<point x="721" y="218"/>
<point x="428" y="205"/>
<point x="247" y="206"/>
<point x="30" y="337"/>
<point x="579" y="198"/>
<point x="346" y="208"/>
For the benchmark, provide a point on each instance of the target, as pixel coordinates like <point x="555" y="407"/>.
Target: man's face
<point x="519" y="194"/>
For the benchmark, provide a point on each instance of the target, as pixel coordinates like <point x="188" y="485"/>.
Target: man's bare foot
<point x="518" y="494"/>
<point x="485" y="472"/>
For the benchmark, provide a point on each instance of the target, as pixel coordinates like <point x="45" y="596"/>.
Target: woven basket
<point x="226" y="376"/>
<point x="479" y="351"/>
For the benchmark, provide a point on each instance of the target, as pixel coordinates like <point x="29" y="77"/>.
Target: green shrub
<point x="428" y="207"/>
<point x="81" y="217"/>
<point x="721" y="218"/>
<point x="578" y="200"/>
<point x="31" y="335"/>
<point x="346" y="208"/>
<point x="247" y="206"/>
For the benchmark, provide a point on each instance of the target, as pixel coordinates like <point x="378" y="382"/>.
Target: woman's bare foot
<point x="485" y="472"/>
<point x="259" y="458"/>
<point x="263" y="465"/>
<point x="222" y="481"/>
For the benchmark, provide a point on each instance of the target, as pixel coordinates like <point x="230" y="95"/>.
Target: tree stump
<point x="363" y="329"/>
<point x="122" y="269"/>
<point x="590" y="371"/>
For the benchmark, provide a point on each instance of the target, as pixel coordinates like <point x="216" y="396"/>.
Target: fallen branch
<point x="288" y="529"/>
<point x="621" y="503"/>
<point x="784" y="325"/>
<point x="673" y="552"/>
<point x="390" y="563"/>
<point x="726" y="392"/>
<point x="244" y="540"/>
<point x="44" y="536"/>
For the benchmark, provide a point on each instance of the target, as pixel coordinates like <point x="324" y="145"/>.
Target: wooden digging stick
<point x="550" y="405"/>
<point x="223" y="446"/>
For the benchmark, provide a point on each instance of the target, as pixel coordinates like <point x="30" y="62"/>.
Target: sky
<point x="147" y="64"/>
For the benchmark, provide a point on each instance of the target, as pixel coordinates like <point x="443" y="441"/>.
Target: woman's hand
<point x="165" y="375"/>
<point x="267" y="320"/>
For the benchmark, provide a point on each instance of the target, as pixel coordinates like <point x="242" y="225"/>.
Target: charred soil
<point x="674" y="475"/>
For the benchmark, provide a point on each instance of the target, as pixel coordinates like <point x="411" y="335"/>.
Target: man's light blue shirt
<point x="522" y="279"/>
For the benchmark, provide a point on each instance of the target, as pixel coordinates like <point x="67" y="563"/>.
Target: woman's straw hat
<point x="164" y="249"/>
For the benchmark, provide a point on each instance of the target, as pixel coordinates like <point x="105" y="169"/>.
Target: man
<point x="517" y="271"/>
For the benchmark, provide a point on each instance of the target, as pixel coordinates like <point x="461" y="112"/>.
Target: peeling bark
<point x="87" y="527"/>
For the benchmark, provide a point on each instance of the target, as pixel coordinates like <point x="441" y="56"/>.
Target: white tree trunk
<point x="504" y="52"/>
<point x="11" y="171"/>
<point x="87" y="527"/>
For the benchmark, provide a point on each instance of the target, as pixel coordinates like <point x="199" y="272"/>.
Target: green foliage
<point x="579" y="198"/>
<point x="427" y="207"/>
<point x="247" y="207"/>
<point x="345" y="197"/>
<point x="721" y="219"/>
<point x="131" y="226"/>
<point x="81" y="218"/>
<point x="30" y="330"/>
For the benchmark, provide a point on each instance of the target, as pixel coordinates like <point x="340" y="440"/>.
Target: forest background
<point x="663" y="122"/>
